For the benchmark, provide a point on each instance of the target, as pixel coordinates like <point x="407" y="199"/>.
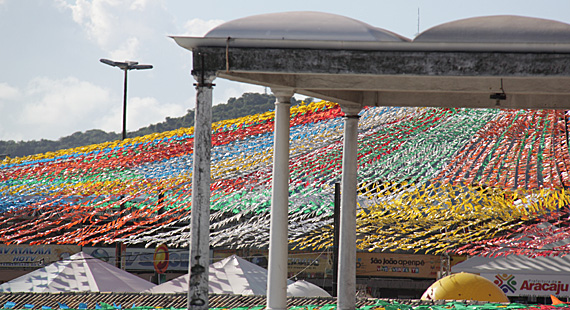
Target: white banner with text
<point x="531" y="285"/>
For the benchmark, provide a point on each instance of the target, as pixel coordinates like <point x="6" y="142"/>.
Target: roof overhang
<point x="191" y="43"/>
<point x="425" y="74"/>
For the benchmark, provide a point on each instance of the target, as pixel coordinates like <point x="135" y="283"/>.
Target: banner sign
<point x="142" y="258"/>
<point x="397" y="265"/>
<point x="34" y="255"/>
<point x="316" y="265"/>
<point x="312" y="265"/>
<point x="531" y="285"/>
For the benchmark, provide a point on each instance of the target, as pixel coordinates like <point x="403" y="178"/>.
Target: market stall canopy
<point x="79" y="273"/>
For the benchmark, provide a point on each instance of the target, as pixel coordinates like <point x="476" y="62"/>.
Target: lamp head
<point x="126" y="65"/>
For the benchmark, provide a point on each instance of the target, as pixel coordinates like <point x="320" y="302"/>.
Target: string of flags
<point x="467" y="181"/>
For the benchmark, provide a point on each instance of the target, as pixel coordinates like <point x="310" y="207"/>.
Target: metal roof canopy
<point x="458" y="64"/>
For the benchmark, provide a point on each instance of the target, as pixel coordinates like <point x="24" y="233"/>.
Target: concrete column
<point x="278" y="231"/>
<point x="347" y="248"/>
<point x="200" y="222"/>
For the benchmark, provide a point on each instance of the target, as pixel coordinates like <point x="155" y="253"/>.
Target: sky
<point x="53" y="85"/>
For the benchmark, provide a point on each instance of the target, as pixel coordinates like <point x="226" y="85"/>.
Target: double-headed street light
<point x="125" y="66"/>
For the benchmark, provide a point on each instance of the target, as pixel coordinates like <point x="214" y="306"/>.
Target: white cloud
<point x="95" y="17"/>
<point x="145" y="111"/>
<point x="127" y="51"/>
<point x="63" y="106"/>
<point x="52" y="108"/>
<point x="139" y="5"/>
<point x="198" y="27"/>
<point x="141" y="112"/>
<point x="8" y="92"/>
<point x="117" y="26"/>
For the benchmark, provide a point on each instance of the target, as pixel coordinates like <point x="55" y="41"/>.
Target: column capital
<point x="204" y="79"/>
<point x="283" y="95"/>
<point x="350" y="110"/>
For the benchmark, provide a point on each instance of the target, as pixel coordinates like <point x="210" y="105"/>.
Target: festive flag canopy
<point x="468" y="181"/>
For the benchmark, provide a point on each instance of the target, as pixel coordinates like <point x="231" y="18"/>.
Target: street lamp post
<point x="125" y="66"/>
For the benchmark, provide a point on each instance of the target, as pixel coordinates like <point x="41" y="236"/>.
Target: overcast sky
<point x="52" y="83"/>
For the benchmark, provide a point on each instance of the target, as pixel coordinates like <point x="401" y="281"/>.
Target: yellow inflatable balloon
<point x="465" y="286"/>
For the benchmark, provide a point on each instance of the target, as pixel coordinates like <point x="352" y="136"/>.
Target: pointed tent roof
<point x="232" y="275"/>
<point x="79" y="273"/>
<point x="303" y="288"/>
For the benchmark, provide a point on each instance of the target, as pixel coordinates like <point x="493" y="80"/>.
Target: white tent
<point x="519" y="275"/>
<point x="235" y="275"/>
<point x="303" y="288"/>
<point x="79" y="273"/>
<point x="232" y="275"/>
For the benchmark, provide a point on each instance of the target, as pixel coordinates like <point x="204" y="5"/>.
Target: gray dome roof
<point x="498" y="29"/>
<point x="302" y="26"/>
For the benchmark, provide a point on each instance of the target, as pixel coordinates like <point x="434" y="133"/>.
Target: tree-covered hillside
<point x="247" y="104"/>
